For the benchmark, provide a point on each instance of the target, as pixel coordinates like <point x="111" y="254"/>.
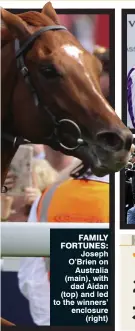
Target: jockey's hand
<point x="6" y="206"/>
<point x="9" y="181"/>
<point x="31" y="194"/>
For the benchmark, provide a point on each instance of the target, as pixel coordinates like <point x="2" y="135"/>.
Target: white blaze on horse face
<point x="77" y="53"/>
<point x="73" y="51"/>
<point x="107" y="106"/>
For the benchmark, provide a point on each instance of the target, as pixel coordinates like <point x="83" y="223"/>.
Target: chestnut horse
<point x="51" y="95"/>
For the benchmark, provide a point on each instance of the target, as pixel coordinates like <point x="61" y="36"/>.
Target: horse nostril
<point x="111" y="140"/>
<point x="128" y="142"/>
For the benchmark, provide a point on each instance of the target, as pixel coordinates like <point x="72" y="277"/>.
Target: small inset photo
<point x="128" y="72"/>
<point x="127" y="188"/>
<point x="128" y="192"/>
<point x="130" y="188"/>
<point x="131" y="71"/>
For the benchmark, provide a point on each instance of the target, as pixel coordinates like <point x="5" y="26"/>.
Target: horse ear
<point x="15" y="24"/>
<point x="50" y="12"/>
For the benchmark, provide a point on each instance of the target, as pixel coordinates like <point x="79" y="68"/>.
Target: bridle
<point x="54" y="140"/>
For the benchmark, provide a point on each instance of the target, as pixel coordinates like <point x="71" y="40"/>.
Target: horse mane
<point x="36" y="19"/>
<point x="31" y="17"/>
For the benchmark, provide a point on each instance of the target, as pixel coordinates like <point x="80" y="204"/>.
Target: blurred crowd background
<point x="90" y="30"/>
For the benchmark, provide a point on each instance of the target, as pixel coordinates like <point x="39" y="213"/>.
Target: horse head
<point x="72" y="115"/>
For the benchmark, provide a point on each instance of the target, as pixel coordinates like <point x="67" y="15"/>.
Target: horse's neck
<point x="8" y="77"/>
<point x="8" y="81"/>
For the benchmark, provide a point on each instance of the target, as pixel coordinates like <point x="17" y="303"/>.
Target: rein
<point x="55" y="139"/>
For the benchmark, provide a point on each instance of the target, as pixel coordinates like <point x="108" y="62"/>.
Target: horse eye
<point x="49" y="71"/>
